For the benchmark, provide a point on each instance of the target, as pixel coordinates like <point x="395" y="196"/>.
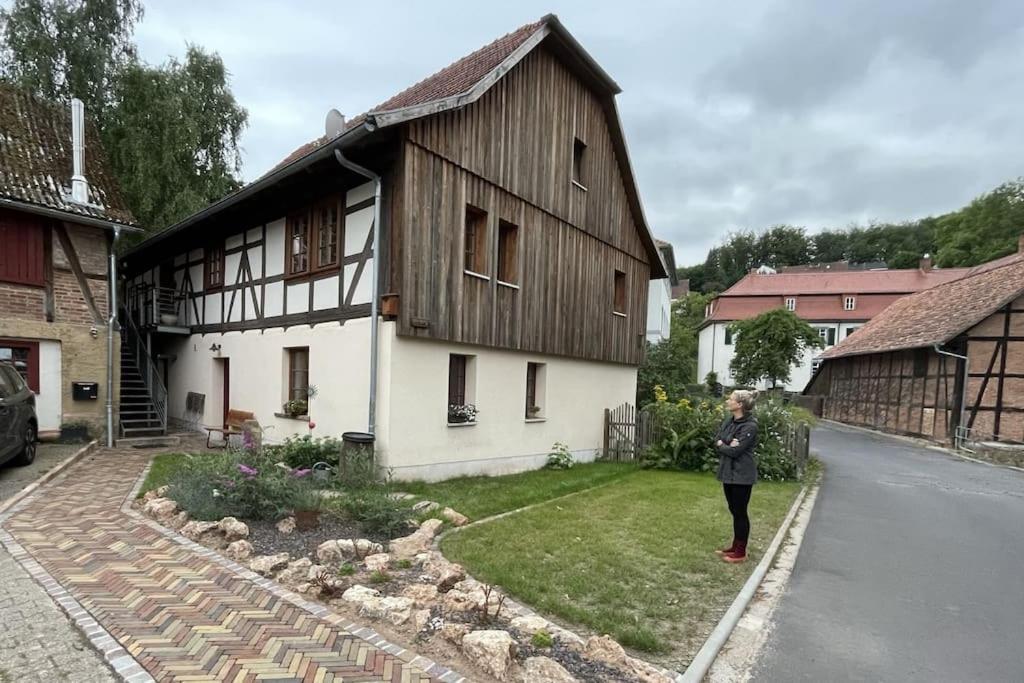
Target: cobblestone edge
<point x="318" y="610"/>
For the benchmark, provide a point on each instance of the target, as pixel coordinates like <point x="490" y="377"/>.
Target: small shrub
<point x="346" y="570"/>
<point x="302" y="452"/>
<point x="380" y="576"/>
<point x="560" y="458"/>
<point x="404" y="564"/>
<point x="377" y="511"/>
<point x="542" y="639"/>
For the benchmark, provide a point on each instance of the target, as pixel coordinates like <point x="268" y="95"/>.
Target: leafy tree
<point x="985" y="229"/>
<point x="171" y="131"/>
<point x="673" y="362"/>
<point x="767" y="346"/>
<point x="190" y="109"/>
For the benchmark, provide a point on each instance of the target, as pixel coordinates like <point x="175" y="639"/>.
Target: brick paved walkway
<point x="179" y="615"/>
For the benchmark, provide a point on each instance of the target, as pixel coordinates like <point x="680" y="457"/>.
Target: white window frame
<point x="791" y="303"/>
<point x="849" y="303"/>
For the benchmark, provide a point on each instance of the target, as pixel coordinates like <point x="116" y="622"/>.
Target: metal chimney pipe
<point x="79" y="185"/>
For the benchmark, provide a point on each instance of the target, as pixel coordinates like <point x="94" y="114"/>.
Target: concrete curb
<point x="922" y="443"/>
<point x="47" y="476"/>
<point x="705" y="657"/>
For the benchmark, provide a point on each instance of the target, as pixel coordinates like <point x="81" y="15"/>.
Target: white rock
<point x="445" y="573"/>
<point x="454" y="632"/>
<point x="359" y="594"/>
<point x="545" y="670"/>
<point x="315" y="570"/>
<point x="410" y="546"/>
<point x="160" y="509"/>
<point x="492" y="651"/>
<point x="161" y="491"/>
<point x="420" y="619"/>
<point x="604" y="649"/>
<point x="398" y="495"/>
<point x="423" y="594"/>
<point x="377" y="562"/>
<point x="530" y="625"/>
<point x="456" y="518"/>
<point x="297" y="571"/>
<point x="425" y="506"/>
<point x="179" y="520"/>
<point x="239" y="550"/>
<point x="286" y="525"/>
<point x="266" y="565"/>
<point x="396" y="610"/>
<point x="232" y="529"/>
<point x="195" y="530"/>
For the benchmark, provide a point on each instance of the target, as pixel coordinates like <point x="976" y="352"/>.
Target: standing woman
<point x="735" y="443"/>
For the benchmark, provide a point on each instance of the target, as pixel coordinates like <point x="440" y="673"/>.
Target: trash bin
<point x="356" y="465"/>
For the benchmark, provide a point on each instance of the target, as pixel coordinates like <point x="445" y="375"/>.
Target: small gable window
<point x="214" y="267"/>
<point x="476" y="240"/>
<point x="579" y="153"/>
<point x="619" y="306"/>
<point x="508" y="241"/>
<point x="849" y="303"/>
<point x="790" y="303"/>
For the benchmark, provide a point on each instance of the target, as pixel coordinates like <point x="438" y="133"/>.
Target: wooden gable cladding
<point x="521" y="135"/>
<point x="563" y="302"/>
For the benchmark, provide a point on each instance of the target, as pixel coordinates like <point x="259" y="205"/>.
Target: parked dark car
<point x="18" y="423"/>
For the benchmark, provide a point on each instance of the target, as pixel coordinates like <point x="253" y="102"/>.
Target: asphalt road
<point x="911" y="569"/>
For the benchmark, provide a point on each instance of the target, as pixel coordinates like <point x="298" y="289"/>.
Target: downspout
<point x="374" y="302"/>
<point x="963" y="391"/>
<point x="111" y="322"/>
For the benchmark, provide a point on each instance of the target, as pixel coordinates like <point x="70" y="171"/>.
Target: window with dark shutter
<point x="214" y="272"/>
<point x="21" y="250"/>
<point x="620" y="293"/>
<point x="456" y="380"/>
<point x="476" y="240"/>
<point x="327" y="231"/>
<point x="579" y="150"/>
<point x="920" y="362"/>
<point x="298" y="374"/>
<point x="508" y="241"/>
<point x="24" y="357"/>
<point x="297" y="258"/>
<point x="531" y="389"/>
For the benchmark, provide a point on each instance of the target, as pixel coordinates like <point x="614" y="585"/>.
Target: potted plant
<point x="459" y="414"/>
<point x="532" y="412"/>
<point x="307" y="503"/>
<point x="296" y="408"/>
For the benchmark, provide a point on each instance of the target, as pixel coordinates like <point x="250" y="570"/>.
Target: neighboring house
<point x="659" y="299"/>
<point x="901" y="372"/>
<point x="835" y="303"/>
<point x="59" y="214"/>
<point x="680" y="290"/>
<point x="512" y="259"/>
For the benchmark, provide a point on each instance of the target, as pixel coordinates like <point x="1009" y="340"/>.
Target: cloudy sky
<point x="737" y="114"/>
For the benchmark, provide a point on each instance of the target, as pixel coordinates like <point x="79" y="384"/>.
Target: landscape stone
<point x="530" y="625"/>
<point x="545" y="670"/>
<point x="454" y="632"/>
<point x="239" y="550"/>
<point x="377" y="562"/>
<point x="160" y="509"/>
<point x="425" y="506"/>
<point x="297" y="571"/>
<point x="456" y="518"/>
<point x="420" y="619"/>
<point x="266" y="565"/>
<point x="232" y="529"/>
<point x="423" y="594"/>
<point x="410" y="546"/>
<point x="492" y="650"/>
<point x="286" y="525"/>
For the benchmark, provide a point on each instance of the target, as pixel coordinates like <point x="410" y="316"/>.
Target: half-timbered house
<point x="948" y="358"/>
<point x="477" y="241"/>
<point x="60" y="212"/>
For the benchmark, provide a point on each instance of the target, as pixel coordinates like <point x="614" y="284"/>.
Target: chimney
<point x="926" y="263"/>
<point x="79" y="185"/>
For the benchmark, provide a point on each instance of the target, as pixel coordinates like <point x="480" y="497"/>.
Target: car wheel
<point x="28" y="453"/>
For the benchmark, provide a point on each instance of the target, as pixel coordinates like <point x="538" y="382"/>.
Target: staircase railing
<point x="131" y="339"/>
<point x="147" y="304"/>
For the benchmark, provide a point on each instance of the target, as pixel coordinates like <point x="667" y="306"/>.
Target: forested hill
<point x="985" y="229"/>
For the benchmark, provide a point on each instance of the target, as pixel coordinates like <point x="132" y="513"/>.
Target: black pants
<point x="738" y="497"/>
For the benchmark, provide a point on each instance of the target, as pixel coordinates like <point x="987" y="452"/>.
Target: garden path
<point x="161" y="609"/>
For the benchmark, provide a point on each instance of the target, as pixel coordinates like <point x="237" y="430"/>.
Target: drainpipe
<point x="367" y="173"/>
<point x="963" y="392"/>
<point x="111" y="322"/>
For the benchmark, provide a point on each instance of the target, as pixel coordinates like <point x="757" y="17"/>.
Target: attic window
<point x="579" y="149"/>
<point x="790" y="303"/>
<point x="476" y="240"/>
<point x="620" y="293"/>
<point x="508" y="240"/>
<point x="849" y="303"/>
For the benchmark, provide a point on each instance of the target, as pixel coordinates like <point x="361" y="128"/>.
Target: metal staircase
<point x="143" y="406"/>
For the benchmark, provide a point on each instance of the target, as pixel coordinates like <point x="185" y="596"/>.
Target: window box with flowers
<point x="462" y="414"/>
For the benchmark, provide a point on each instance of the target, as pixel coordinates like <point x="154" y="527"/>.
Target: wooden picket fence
<point x="627" y="432"/>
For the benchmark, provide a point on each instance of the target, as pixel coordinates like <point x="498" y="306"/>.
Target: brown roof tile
<point x="36" y="163"/>
<point x="939" y="314"/>
<point x="843" y="282"/>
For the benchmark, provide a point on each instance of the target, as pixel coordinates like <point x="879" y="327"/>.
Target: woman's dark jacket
<point x="736" y="463"/>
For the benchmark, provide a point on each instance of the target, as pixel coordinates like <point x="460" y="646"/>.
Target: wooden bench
<point x="233" y="425"/>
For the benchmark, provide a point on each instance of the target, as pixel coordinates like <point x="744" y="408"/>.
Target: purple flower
<point x="247" y="471"/>
<point x="301" y="473"/>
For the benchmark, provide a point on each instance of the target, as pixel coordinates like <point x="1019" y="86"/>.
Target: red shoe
<point x="726" y="551"/>
<point x="738" y="555"/>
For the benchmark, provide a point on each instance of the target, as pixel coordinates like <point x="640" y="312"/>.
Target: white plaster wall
<point x="49" y="407"/>
<point x="325" y="293"/>
<point x="705" y="357"/>
<point x="275" y="247"/>
<point x="659" y="310"/>
<point x="357" y="229"/>
<point x="338" y="367"/>
<point x="297" y="300"/>
<point x="415" y="441"/>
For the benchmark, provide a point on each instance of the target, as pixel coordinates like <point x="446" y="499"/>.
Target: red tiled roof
<point x="819" y="307"/>
<point x="844" y="282"/>
<point x="452" y="80"/>
<point x="36" y="159"/>
<point x="939" y="314"/>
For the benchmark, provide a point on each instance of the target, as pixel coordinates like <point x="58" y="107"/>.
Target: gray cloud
<point x="738" y="115"/>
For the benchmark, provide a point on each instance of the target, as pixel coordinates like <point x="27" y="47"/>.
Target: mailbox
<point x="85" y="391"/>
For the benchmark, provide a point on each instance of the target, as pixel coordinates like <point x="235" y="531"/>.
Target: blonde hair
<point x="746" y="398"/>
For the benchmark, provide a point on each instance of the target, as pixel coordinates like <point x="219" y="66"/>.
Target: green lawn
<point x="479" y="497"/>
<point x="163" y="466"/>
<point x="634" y="559"/>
